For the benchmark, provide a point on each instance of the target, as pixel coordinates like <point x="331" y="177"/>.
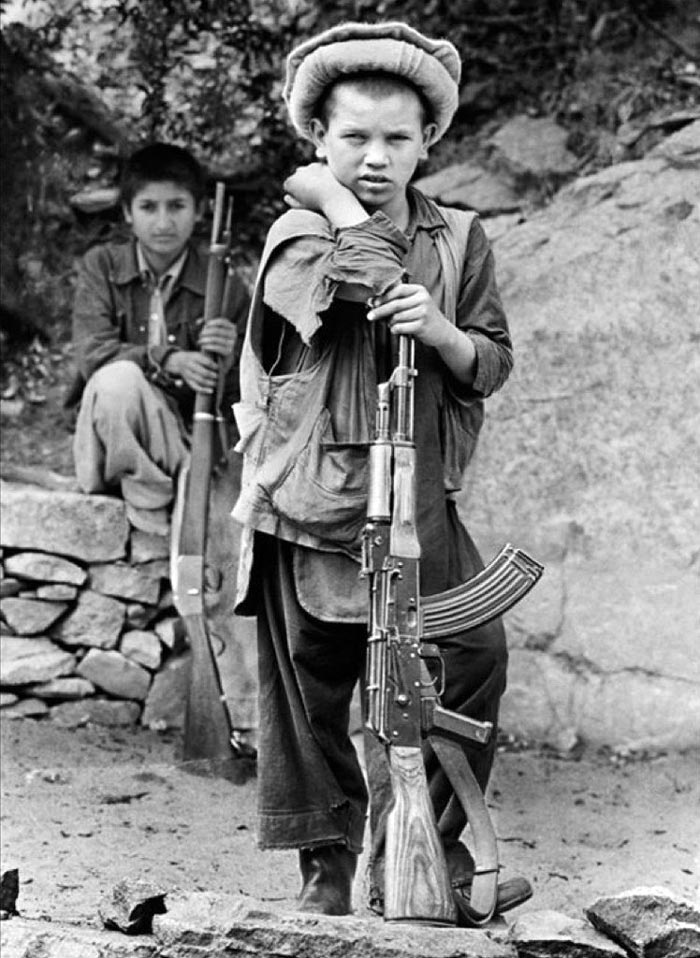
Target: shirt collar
<point x="169" y="277"/>
<point x="424" y="214"/>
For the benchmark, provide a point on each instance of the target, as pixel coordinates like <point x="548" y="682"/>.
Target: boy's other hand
<point x="313" y="187"/>
<point x="200" y="372"/>
<point x="410" y="309"/>
<point x="218" y="336"/>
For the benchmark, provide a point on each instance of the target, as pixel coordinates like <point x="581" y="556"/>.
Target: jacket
<point x="110" y="318"/>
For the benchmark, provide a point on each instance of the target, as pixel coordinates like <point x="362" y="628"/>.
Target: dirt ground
<point x="84" y="808"/>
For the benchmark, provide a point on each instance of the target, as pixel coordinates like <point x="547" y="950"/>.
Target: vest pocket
<point x="324" y="492"/>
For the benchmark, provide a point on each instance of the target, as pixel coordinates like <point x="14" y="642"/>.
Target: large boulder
<point x="589" y="458"/>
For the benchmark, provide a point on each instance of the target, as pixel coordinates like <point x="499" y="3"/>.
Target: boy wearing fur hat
<point x="372" y="99"/>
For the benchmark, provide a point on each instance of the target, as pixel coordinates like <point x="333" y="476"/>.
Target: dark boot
<point x="327" y="873"/>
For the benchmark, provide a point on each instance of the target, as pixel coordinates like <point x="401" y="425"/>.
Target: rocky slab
<point x="225" y="924"/>
<point x="88" y="528"/>
<point x="143" y="647"/>
<point x="649" y="923"/>
<point x="115" y="674"/>
<point x="550" y="934"/>
<point x="27" y="938"/>
<point x="165" y="703"/>
<point x="64" y="689"/>
<point x="30" y="661"/>
<point x="135" y="583"/>
<point x="57" y="592"/>
<point x="146" y="546"/>
<point x="112" y="713"/>
<point x="469" y="186"/>
<point x="27" y="708"/>
<point x="40" y="567"/>
<point x="534" y="148"/>
<point x="30" y="616"/>
<point x="96" y="622"/>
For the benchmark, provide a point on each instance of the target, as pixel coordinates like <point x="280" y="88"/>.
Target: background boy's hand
<point x="218" y="336"/>
<point x="199" y="371"/>
<point x="410" y="309"/>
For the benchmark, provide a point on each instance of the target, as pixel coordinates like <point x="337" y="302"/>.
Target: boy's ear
<point x="318" y="135"/>
<point x="428" y="133"/>
<point x="126" y="210"/>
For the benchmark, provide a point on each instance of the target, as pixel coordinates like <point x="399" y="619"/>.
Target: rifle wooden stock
<point x="208" y="727"/>
<point x="417" y="884"/>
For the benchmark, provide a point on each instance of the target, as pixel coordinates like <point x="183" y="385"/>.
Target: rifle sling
<point x="484" y="887"/>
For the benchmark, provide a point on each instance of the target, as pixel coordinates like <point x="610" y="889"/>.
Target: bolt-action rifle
<point x="402" y="700"/>
<point x="208" y="730"/>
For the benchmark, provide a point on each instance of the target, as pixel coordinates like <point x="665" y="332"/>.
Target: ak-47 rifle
<point x="208" y="727"/>
<point x="402" y="700"/>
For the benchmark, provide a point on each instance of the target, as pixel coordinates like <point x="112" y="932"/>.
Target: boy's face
<point x="162" y="217"/>
<point x="372" y="144"/>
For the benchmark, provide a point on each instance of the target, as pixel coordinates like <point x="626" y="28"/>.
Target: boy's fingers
<point x="392" y="308"/>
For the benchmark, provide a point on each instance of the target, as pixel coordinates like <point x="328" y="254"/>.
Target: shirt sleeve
<point x="94" y="321"/>
<point x="481" y="315"/>
<point x="307" y="272"/>
<point x="238" y="315"/>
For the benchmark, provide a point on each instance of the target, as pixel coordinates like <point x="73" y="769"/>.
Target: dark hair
<point x="160" y="163"/>
<point x="374" y="83"/>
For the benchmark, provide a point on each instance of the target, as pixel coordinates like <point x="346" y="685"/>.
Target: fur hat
<point x="433" y="66"/>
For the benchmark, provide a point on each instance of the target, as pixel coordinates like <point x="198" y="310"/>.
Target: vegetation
<point x="83" y="81"/>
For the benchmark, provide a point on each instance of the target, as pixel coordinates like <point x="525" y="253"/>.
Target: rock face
<point x="533" y="148"/>
<point x="589" y="455"/>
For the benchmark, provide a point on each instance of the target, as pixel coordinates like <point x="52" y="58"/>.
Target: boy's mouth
<point x="373" y="180"/>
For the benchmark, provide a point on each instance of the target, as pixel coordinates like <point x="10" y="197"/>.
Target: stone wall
<point x="89" y="629"/>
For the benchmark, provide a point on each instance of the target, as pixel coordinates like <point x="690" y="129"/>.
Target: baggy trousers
<point x="311" y="790"/>
<point x="127" y="435"/>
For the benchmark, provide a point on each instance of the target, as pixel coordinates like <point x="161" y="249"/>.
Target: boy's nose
<point x="163" y="216"/>
<point x="376" y="154"/>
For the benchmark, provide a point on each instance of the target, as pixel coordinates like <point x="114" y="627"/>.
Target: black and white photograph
<point x="350" y="479"/>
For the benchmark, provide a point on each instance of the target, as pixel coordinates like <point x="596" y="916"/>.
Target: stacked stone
<point x="89" y="631"/>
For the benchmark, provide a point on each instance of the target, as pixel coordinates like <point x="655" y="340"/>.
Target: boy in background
<point x="360" y="250"/>
<point x="140" y="340"/>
